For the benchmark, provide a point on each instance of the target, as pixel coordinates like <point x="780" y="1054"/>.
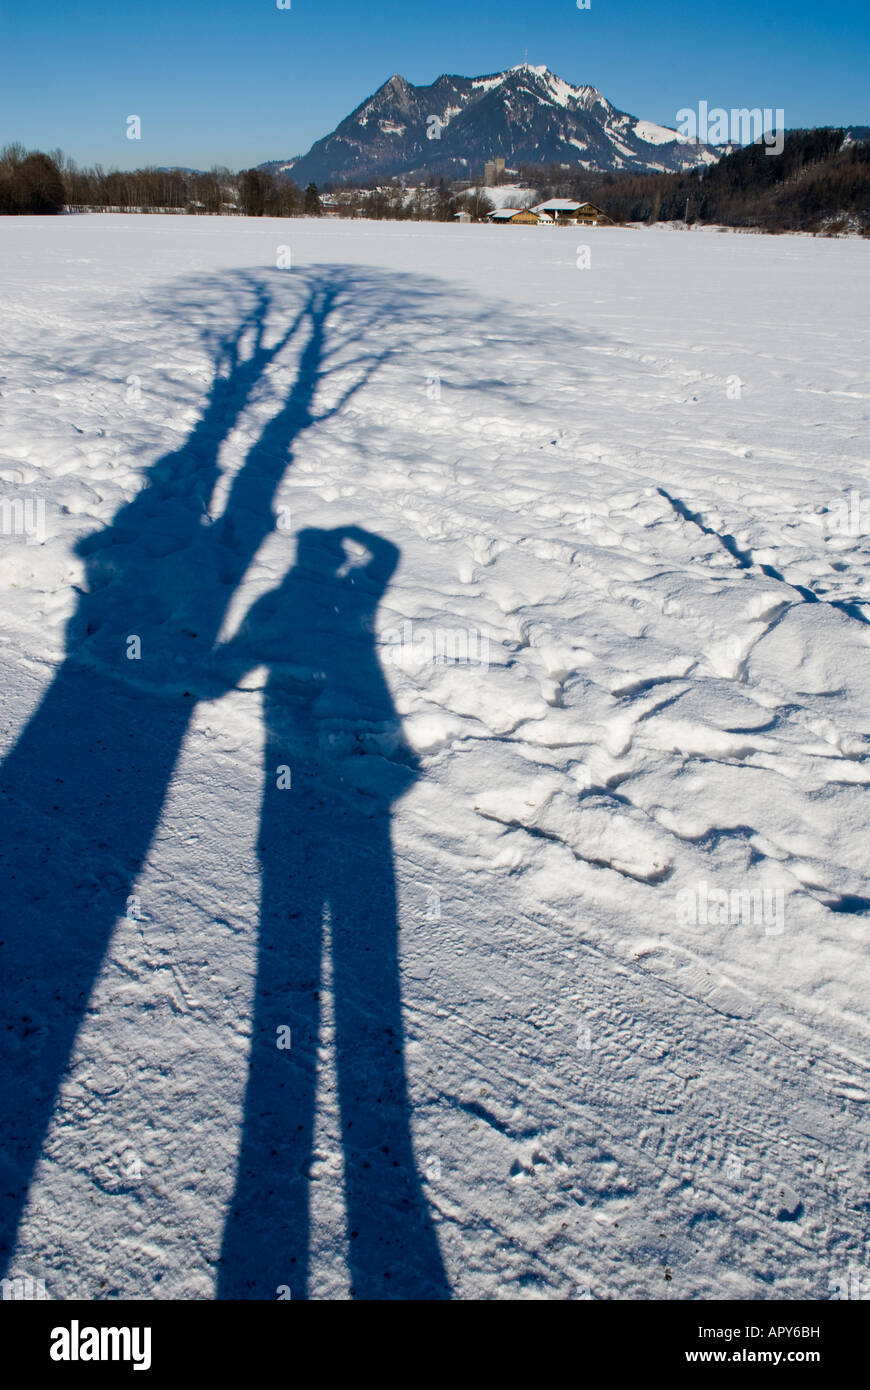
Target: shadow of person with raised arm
<point x="83" y="786"/>
<point x="82" y="789"/>
<point x="334" y="763"/>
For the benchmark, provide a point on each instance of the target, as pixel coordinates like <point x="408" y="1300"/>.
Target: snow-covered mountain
<point x="526" y="114"/>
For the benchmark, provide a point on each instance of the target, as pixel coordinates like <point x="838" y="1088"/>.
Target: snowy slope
<point x="634" y="497"/>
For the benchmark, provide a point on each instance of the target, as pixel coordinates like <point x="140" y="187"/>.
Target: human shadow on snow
<point x="327" y="872"/>
<point x="81" y="794"/>
<point x="83" y="788"/>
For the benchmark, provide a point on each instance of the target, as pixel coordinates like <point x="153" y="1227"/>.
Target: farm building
<point x="522" y="217"/>
<point x="568" y="213"/>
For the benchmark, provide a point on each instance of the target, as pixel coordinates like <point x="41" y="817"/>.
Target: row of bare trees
<point x="34" y="182"/>
<point x="48" y="183"/>
<point x="260" y="194"/>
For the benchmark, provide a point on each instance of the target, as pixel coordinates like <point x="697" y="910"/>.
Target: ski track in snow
<point x="625" y="479"/>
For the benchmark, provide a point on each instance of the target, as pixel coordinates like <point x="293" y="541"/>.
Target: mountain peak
<point x="396" y="83"/>
<point x="526" y="114"/>
<point x="560" y="92"/>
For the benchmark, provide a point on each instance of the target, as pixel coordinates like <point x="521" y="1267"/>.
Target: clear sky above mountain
<point x="238" y="82"/>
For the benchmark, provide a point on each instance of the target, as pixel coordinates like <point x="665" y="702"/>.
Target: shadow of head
<point x="347" y="555"/>
<point x="316" y="632"/>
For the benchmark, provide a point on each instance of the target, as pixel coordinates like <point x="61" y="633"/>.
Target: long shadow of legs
<point x="82" y="790"/>
<point x="327" y="880"/>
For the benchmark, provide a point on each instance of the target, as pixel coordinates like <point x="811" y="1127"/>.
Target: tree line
<point x="819" y="182"/>
<point x="34" y="182"/>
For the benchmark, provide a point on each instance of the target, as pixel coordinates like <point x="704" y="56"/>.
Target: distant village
<point x="556" y="210"/>
<point x="565" y="212"/>
<point x="501" y="198"/>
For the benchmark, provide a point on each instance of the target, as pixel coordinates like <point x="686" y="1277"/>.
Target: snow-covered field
<point x="546" y="584"/>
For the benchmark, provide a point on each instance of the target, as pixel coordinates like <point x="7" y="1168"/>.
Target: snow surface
<point x="487" y="83"/>
<point x="634" y="497"/>
<point x="559" y="205"/>
<point x="655" y="134"/>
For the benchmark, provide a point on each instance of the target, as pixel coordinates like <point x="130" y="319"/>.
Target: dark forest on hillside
<point x="817" y="181"/>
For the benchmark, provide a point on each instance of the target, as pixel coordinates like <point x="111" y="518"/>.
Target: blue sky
<point x="237" y="82"/>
